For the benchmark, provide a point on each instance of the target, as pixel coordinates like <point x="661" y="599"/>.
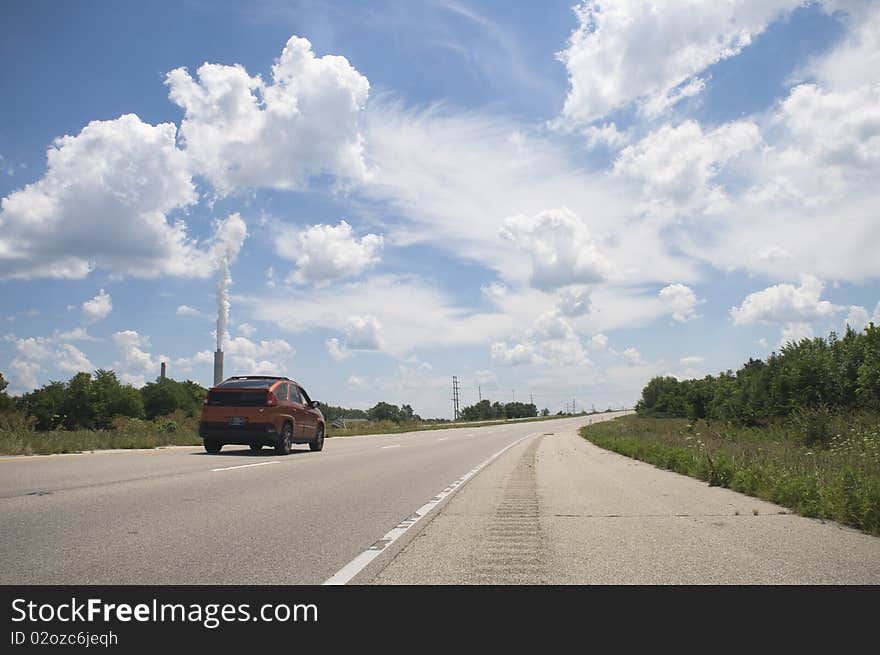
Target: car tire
<point x="282" y="446"/>
<point x="213" y="446"/>
<point x="256" y="447"/>
<point x="318" y="444"/>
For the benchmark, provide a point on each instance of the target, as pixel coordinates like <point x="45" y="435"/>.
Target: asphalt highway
<point x="182" y="516"/>
<point x="526" y="503"/>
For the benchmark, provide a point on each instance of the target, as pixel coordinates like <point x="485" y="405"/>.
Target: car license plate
<point x="237" y="420"/>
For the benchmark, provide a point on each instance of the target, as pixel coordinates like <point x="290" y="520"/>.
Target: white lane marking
<point x="245" y="466"/>
<point x="442" y="438"/>
<point x="355" y="566"/>
<point x="397" y="445"/>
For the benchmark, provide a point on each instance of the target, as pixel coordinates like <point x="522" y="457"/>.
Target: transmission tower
<point x="455" y="396"/>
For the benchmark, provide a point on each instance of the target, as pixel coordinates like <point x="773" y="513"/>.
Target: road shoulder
<point x="557" y="509"/>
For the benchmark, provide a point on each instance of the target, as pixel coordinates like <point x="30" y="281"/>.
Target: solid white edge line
<point x="359" y="563"/>
<point x="245" y="466"/>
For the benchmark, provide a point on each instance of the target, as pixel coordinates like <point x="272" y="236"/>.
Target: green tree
<point x="520" y="410"/>
<point x="868" y="371"/>
<point x="114" y="399"/>
<point x="333" y="412"/>
<point x="7" y="404"/>
<point x="166" y="395"/>
<point x="79" y="407"/>
<point x="481" y="411"/>
<point x="45" y="405"/>
<point x="383" y="411"/>
<point x="663" y="396"/>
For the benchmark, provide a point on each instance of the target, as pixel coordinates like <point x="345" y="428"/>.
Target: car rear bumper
<point x="238" y="434"/>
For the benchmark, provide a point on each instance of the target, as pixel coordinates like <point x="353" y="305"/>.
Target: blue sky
<point x="553" y="200"/>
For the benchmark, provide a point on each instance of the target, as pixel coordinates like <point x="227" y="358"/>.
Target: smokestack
<point x="218" y="367"/>
<point x="162" y="372"/>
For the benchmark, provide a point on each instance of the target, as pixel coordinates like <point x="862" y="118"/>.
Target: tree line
<point x="381" y="411"/>
<point x="486" y="410"/>
<point x="834" y="373"/>
<point x="92" y="401"/>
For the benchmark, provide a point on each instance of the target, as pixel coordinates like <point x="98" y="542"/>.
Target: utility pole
<point x="455" y="396"/>
<point x="573" y="410"/>
<point x="480" y="393"/>
<point x="532" y="399"/>
<point x="514" y="394"/>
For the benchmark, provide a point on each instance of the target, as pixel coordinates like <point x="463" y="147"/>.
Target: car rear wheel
<point x="318" y="443"/>
<point x="213" y="446"/>
<point x="256" y="447"/>
<point x="282" y="446"/>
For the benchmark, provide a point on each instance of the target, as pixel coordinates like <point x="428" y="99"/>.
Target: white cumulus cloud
<point x="134" y="362"/>
<point x="363" y="333"/>
<point x="574" y="300"/>
<point x="681" y="301"/>
<point x="794" y="331"/>
<point x="324" y="253"/>
<point x="653" y="51"/>
<point x="265" y="357"/>
<point x="71" y="359"/>
<point x="560" y="246"/>
<point x="633" y="357"/>
<point x="247" y="329"/>
<point x="105" y="201"/>
<point x="517" y="354"/>
<point x="336" y="350"/>
<point x="785" y="303"/>
<point x="186" y="310"/>
<point x="98" y="308"/>
<point x="243" y="132"/>
<point x="857" y="318"/>
<point x="76" y="334"/>
<point x="677" y="167"/>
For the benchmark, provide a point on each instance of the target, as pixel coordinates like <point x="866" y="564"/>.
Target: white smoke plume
<point x="228" y="239"/>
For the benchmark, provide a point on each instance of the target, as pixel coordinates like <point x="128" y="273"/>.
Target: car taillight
<point x="271" y="400"/>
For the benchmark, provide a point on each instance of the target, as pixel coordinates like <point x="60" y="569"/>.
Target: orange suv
<point x="259" y="410"/>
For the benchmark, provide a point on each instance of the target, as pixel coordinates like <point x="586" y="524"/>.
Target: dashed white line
<point x="442" y="438"/>
<point x="397" y="445"/>
<point x="359" y="563"/>
<point x="245" y="466"/>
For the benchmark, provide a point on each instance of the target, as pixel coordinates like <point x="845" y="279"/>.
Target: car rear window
<point x="236" y="398"/>
<point x="250" y="384"/>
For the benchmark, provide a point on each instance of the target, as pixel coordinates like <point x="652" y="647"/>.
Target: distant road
<point x="527" y="502"/>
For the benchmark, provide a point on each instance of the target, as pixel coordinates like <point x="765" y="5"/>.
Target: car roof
<point x="252" y="381"/>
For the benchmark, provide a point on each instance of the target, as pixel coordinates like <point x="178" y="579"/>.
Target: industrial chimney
<point x="218" y="367"/>
<point x="162" y="372"/>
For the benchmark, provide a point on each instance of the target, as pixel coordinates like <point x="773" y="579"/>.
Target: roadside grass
<point x="174" y="430"/>
<point x="839" y="481"/>
<point x="76" y="441"/>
